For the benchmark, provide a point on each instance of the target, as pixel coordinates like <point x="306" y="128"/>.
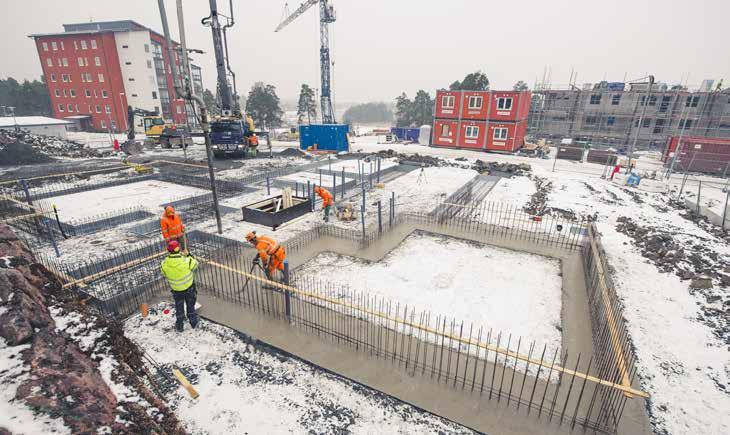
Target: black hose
<point x="58" y="222"/>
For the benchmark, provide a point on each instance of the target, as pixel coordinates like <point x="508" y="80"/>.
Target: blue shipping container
<point x="402" y="133"/>
<point x="327" y="137"/>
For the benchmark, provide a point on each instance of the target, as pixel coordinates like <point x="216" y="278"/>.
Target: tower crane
<point x="326" y="16"/>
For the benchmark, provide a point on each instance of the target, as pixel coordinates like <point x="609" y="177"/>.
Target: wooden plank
<point x="185" y="383"/>
<point x="87" y="279"/>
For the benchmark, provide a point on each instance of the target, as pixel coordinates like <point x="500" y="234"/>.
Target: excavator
<point x="156" y="130"/>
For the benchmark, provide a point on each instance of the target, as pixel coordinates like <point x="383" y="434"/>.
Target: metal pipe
<point x="229" y="24"/>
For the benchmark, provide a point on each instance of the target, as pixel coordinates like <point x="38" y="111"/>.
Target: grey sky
<point x="384" y="47"/>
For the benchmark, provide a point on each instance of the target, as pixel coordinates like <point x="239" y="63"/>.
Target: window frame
<point x="476" y="98"/>
<point x="61" y="108"/>
<point x="93" y="44"/>
<point x="44" y="45"/>
<point x="474" y="130"/>
<point x="615" y="99"/>
<point x="83" y="44"/>
<point x="500" y="130"/>
<point x="445" y="130"/>
<point x="595" y="99"/>
<point x="502" y="103"/>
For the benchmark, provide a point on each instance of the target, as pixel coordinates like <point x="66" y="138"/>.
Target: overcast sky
<point x="384" y="47"/>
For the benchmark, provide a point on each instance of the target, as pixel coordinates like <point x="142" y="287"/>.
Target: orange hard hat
<point x="169" y="210"/>
<point x="251" y="236"/>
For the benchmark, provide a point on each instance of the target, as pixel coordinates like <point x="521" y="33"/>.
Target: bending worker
<point x="327" y="201"/>
<point x="270" y="253"/>
<point x="178" y="270"/>
<point x="172" y="227"/>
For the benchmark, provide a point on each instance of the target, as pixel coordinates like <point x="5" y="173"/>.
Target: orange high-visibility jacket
<point x="171" y="226"/>
<point x="268" y="247"/>
<point x="326" y="196"/>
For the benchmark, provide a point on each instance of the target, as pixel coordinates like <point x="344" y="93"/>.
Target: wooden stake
<point x="144" y="309"/>
<point x="185" y="383"/>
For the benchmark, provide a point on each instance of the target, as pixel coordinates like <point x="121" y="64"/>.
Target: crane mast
<point x="220" y="60"/>
<point x="326" y="16"/>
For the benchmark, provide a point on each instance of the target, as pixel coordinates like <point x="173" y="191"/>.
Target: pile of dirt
<point x="503" y="168"/>
<point x="48" y="146"/>
<point x="63" y="359"/>
<point x="480" y="166"/>
<point x="537" y="205"/>
<point x="709" y="272"/>
<point x="292" y="152"/>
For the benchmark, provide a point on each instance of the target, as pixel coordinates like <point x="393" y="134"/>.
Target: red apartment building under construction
<point x="481" y="120"/>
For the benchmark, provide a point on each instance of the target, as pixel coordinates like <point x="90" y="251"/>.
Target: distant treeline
<point x="28" y="98"/>
<point x="368" y="113"/>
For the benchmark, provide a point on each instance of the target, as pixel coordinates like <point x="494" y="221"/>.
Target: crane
<point x="326" y="16"/>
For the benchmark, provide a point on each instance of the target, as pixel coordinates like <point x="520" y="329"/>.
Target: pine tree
<point x="264" y="106"/>
<point x="403" y="111"/>
<point x="307" y="106"/>
<point x="476" y="81"/>
<point x="422" y="109"/>
<point x="520" y="86"/>
<point x="211" y="102"/>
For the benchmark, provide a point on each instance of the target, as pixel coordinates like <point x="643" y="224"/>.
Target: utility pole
<point x="189" y="95"/>
<point x="679" y="142"/>
<point x="641" y="120"/>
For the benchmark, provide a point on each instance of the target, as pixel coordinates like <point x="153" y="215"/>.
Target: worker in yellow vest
<point x="179" y="272"/>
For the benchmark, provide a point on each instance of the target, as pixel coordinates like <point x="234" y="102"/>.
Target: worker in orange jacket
<point x="270" y="253"/>
<point x="172" y="227"/>
<point x="327" y="201"/>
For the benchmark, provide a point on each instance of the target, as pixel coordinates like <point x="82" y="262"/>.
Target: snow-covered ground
<point x="151" y="194"/>
<point x="251" y="389"/>
<point x="312" y="178"/>
<point x="467" y="281"/>
<point x="352" y="165"/>
<point x="252" y="167"/>
<point x="515" y="190"/>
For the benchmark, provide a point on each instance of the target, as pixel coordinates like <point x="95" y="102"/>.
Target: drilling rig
<point x="326" y="16"/>
<point x="231" y="133"/>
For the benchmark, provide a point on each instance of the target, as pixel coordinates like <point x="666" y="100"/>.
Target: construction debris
<point x="28" y="148"/>
<point x="293" y="152"/>
<point x="346" y="212"/>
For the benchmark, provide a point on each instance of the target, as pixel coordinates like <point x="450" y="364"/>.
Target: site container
<point x="448" y="104"/>
<point x="718" y="146"/>
<point x="602" y="157"/>
<point x="472" y="134"/>
<point x="444" y="132"/>
<point x="571" y="152"/>
<point x="475" y="105"/>
<point x="406" y="134"/>
<point x="511" y="106"/>
<point x="505" y="136"/>
<point x="326" y="137"/>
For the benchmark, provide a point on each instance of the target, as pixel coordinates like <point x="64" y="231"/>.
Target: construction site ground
<point x="680" y="332"/>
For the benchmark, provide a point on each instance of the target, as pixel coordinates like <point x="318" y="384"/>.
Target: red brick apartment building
<point x="481" y="120"/>
<point x="95" y="70"/>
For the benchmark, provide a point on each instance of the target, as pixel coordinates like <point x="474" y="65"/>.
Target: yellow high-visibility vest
<point x="178" y="271"/>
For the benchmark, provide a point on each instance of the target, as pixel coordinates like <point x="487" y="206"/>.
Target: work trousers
<point x="185" y="299"/>
<point x="327" y="210"/>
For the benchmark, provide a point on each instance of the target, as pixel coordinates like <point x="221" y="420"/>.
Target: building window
<point x="101" y="78"/>
<point x="131" y="79"/>
<point x="45" y="46"/>
<point x="146" y="48"/>
<point x="53" y="77"/>
<point x="62" y="47"/>
<point x="659" y="126"/>
<point x="102" y="123"/>
<point x="179" y="110"/>
<point x="97" y="61"/>
<point x="692" y="101"/>
<point x="76" y="45"/>
<point x="65" y="78"/>
<point x="684" y="124"/>
<point x="114" y="125"/>
<point x="60" y="108"/>
<point x="49" y="62"/>
<point x="504" y="104"/>
<point x="616" y="99"/>
<point x="134" y="95"/>
<point x="58" y="93"/>
<point x="447" y="101"/>
<point x="87" y="93"/>
<point x="445" y="129"/>
<point x="149" y="64"/>
<point x="54" y="46"/>
<point x="83" y="44"/>
<point x="76" y="107"/>
<point x="73" y="93"/>
<point x="500" y="133"/>
<point x="611" y="120"/>
<point x="108" y="108"/>
<point x="65" y="61"/>
<point x="88" y="77"/>
<point x="596" y="99"/>
<point x="646" y="122"/>
<point x="127" y="63"/>
<point x="665" y="103"/>
<point x="81" y="61"/>
<point x="154" y="95"/>
<point x="475" y="102"/>
<point x="125" y="46"/>
<point x="93" y="44"/>
<point x="104" y="94"/>
<point x="472" y="132"/>
<point x="59" y="62"/>
<point x="157" y="109"/>
<point x="70" y="107"/>
<point x="64" y="93"/>
<point x="591" y="120"/>
<point x="98" y="109"/>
